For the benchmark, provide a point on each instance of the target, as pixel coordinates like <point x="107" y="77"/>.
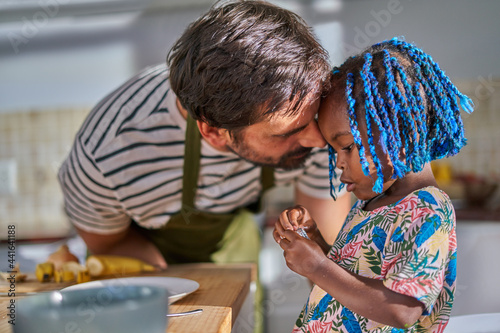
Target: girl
<point x="392" y="268"/>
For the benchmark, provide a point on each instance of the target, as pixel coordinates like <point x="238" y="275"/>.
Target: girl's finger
<point x="285" y="221"/>
<point x="283" y="243"/>
<point x="276" y="235"/>
<point x="279" y="231"/>
<point x="290" y="235"/>
<point x="294" y="216"/>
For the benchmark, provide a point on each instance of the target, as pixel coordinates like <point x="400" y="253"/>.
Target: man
<point x="247" y="78"/>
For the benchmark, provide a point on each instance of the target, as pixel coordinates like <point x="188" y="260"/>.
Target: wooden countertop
<point x="222" y="291"/>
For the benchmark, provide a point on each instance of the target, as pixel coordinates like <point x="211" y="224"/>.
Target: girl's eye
<point x="349" y="148"/>
<point x="285" y="136"/>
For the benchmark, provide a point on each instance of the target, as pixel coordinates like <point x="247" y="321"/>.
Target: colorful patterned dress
<point x="410" y="245"/>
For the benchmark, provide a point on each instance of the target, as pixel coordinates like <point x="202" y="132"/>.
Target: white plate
<point x="475" y="323"/>
<point x="177" y="287"/>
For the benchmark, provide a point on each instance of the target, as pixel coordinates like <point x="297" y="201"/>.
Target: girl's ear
<point x="216" y="137"/>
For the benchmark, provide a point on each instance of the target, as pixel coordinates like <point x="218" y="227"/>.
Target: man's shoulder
<point x="151" y="71"/>
<point x="133" y="91"/>
<point x="139" y="106"/>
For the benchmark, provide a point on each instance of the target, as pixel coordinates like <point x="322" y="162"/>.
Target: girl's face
<point x="333" y="122"/>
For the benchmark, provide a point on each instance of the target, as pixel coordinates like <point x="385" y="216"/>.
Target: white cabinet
<point x="478" y="266"/>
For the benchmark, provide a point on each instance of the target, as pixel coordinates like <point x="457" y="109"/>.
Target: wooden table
<point x="223" y="289"/>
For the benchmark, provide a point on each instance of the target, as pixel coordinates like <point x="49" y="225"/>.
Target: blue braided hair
<point x="395" y="88"/>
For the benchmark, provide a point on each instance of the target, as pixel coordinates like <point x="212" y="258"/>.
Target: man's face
<point x="281" y="141"/>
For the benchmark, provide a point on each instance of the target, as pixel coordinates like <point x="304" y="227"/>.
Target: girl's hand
<point x="298" y="217"/>
<point x="303" y="256"/>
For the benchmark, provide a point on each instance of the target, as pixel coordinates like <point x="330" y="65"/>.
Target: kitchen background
<point x="59" y="57"/>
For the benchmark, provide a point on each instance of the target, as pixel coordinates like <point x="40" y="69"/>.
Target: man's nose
<point x="311" y="136"/>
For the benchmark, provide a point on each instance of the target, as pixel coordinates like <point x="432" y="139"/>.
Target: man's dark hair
<point x="245" y="60"/>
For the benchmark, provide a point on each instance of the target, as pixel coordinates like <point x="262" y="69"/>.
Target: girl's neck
<point x="402" y="187"/>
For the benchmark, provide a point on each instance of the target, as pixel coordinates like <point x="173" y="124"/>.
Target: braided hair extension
<point x="332" y="173"/>
<point x="408" y="106"/>
<point x="399" y="167"/>
<point x="384" y="122"/>
<point x="448" y="93"/>
<point x="412" y="118"/>
<point x="371" y="115"/>
<point x="355" y="132"/>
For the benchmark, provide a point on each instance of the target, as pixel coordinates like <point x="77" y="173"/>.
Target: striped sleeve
<point x="90" y="198"/>
<point x="89" y="202"/>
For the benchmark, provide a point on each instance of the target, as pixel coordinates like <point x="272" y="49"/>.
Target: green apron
<point x="196" y="236"/>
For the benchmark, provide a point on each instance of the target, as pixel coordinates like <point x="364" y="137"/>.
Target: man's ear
<point x="216" y="137"/>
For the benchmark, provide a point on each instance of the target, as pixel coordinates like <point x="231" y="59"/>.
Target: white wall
<point x="49" y="59"/>
<point x="73" y="61"/>
<point x="463" y="36"/>
<point x="477" y="268"/>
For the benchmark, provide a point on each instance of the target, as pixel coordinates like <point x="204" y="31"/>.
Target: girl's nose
<point x="340" y="162"/>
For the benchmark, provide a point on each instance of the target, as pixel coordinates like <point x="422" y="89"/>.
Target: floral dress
<point x="409" y="245"/>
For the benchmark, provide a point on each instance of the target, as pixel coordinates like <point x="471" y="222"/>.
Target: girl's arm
<point x="367" y="297"/>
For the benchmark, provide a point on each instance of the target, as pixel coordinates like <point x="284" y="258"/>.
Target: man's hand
<point x="128" y="243"/>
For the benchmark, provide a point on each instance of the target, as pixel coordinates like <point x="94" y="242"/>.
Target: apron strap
<point x="191" y="168"/>
<point x="267" y="178"/>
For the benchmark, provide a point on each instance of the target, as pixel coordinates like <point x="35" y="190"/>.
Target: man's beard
<point x="288" y="161"/>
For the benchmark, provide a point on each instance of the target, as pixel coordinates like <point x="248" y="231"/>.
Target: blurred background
<point x="58" y="58"/>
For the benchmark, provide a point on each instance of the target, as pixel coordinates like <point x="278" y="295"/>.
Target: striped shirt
<point x="126" y="163"/>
